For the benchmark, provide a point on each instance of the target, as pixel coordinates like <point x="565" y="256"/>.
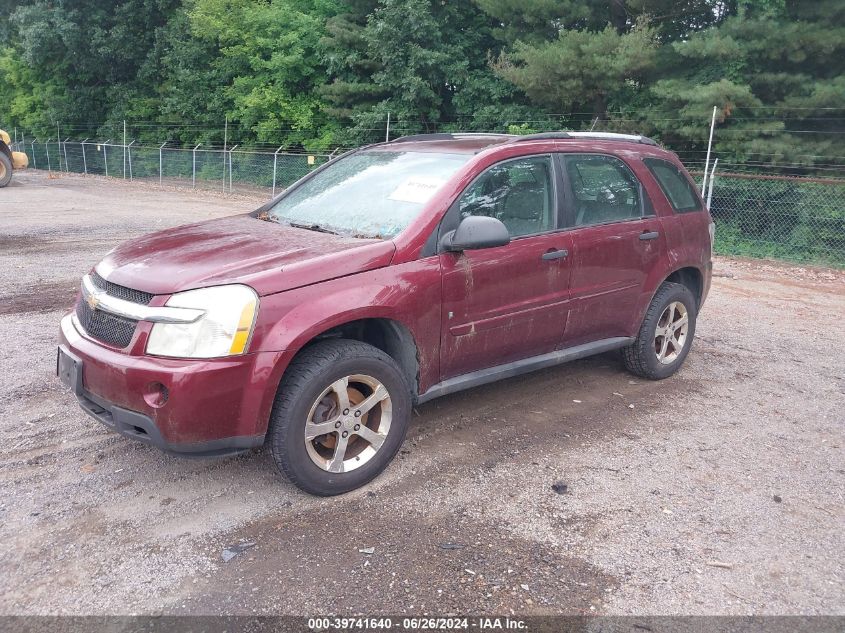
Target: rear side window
<point x="604" y="189"/>
<point x="677" y="187"/>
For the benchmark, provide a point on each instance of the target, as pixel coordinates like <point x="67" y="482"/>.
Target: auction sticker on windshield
<point x="417" y="189"/>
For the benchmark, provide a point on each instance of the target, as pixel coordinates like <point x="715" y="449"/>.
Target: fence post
<point x="106" y="157"/>
<point x="34" y="164"/>
<point x="225" y="142"/>
<point x="709" y="145"/>
<point x="129" y="153"/>
<point x="161" y="162"/>
<point x="124" y="149"/>
<point x="67" y="169"/>
<point x="712" y="178"/>
<point x="194" y="169"/>
<point x="230" y="169"/>
<point x="275" y="157"/>
<point x="84" y="160"/>
<point x="47" y="150"/>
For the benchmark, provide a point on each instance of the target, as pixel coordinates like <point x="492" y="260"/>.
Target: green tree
<point x="269" y="53"/>
<point x="581" y="69"/>
<point x="190" y="89"/>
<point x="588" y="55"/>
<point x="775" y="70"/>
<point x="425" y="62"/>
<point x="316" y="73"/>
<point x="82" y="57"/>
<point x="346" y="57"/>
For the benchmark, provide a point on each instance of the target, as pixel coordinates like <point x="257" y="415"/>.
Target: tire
<point x="309" y="396"/>
<point x="643" y="357"/>
<point x="5" y="170"/>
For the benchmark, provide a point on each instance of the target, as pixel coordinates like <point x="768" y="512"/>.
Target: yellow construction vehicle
<point x="9" y="160"/>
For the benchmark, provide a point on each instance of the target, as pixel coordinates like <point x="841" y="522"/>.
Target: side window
<point x="518" y="192"/>
<point x="604" y="189"/>
<point x="677" y="187"/>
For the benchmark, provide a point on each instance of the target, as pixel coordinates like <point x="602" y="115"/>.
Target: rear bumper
<point x="210" y="407"/>
<point x="706" y="282"/>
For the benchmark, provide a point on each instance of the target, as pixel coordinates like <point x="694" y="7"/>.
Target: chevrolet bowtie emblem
<point x="93" y="301"/>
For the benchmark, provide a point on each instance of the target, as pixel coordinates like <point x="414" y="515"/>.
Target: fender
<point x="288" y="321"/>
<point x="293" y="340"/>
<point x="658" y="276"/>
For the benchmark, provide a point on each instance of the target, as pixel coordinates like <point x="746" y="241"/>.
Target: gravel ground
<point x="720" y="491"/>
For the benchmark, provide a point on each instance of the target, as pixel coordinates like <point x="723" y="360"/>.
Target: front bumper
<point x="209" y="407"/>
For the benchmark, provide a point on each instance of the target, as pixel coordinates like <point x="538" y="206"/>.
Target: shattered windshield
<point x="374" y="194"/>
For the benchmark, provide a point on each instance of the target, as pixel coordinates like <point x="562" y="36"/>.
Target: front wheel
<point x="666" y="334"/>
<point x="5" y="170"/>
<point x="340" y="416"/>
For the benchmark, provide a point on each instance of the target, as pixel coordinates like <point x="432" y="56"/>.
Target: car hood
<point x="268" y="256"/>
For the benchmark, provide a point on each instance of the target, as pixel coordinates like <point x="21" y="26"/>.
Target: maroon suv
<point x="392" y="275"/>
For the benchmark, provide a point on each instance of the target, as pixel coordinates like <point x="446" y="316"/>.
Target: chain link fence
<point x="756" y="215"/>
<point x="232" y="170"/>
<point x="782" y="217"/>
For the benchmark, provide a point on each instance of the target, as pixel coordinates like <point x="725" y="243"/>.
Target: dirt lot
<point x="722" y="490"/>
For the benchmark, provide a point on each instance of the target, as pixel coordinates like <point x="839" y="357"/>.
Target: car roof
<point x="472" y="143"/>
<point x="462" y="143"/>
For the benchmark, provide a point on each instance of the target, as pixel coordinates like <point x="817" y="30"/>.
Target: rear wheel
<point x="666" y="334"/>
<point x="5" y="170"/>
<point x="340" y="416"/>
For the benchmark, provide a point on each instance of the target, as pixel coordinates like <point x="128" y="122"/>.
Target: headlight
<point x="224" y="329"/>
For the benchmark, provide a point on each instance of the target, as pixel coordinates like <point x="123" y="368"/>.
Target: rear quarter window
<point x="677" y="187"/>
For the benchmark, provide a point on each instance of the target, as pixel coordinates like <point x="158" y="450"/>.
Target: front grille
<point x="104" y="326"/>
<point x="121" y="292"/>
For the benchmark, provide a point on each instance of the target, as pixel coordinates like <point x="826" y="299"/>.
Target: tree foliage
<point x="321" y="73"/>
<point x="581" y="69"/>
<point x="775" y="69"/>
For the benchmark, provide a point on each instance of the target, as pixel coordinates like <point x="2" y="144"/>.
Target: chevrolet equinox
<point x="391" y="275"/>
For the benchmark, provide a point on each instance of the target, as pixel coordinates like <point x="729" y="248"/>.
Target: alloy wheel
<point x="348" y="423"/>
<point x="670" y="336"/>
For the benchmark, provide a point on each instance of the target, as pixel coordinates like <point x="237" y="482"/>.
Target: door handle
<point x="550" y="255"/>
<point x="649" y="235"/>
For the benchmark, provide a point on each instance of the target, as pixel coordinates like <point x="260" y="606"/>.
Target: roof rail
<point x="603" y="136"/>
<point x="450" y="136"/>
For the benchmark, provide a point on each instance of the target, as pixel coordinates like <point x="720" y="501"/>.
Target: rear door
<point x="616" y="243"/>
<point x="506" y="303"/>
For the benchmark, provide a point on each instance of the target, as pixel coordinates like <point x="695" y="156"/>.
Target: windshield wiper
<point x="312" y="227"/>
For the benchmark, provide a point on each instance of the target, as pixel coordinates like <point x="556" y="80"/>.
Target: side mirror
<point x="475" y="232"/>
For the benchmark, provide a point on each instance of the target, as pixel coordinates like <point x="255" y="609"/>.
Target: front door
<point x="510" y="302"/>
